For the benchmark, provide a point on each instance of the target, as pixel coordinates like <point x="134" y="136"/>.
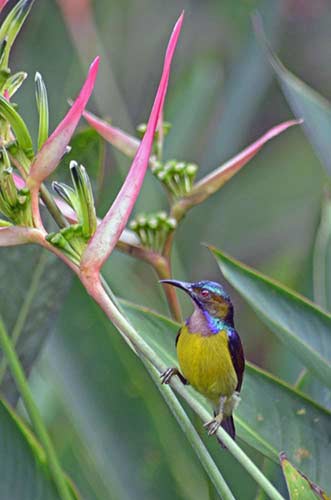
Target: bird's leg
<point x="213" y="425"/>
<point x="235" y="400"/>
<point x="169" y="373"/>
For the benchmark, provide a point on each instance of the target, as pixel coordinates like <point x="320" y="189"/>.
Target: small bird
<point x="210" y="353"/>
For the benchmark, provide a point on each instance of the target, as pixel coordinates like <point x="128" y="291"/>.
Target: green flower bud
<point x="191" y="169"/>
<point x="171" y="223"/>
<point x="80" y="198"/>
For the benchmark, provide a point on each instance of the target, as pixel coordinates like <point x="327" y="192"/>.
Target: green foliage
<point x="23" y="471"/>
<point x="29" y="307"/>
<point x="309" y="105"/>
<point x="299" y="486"/>
<point x="302" y="326"/>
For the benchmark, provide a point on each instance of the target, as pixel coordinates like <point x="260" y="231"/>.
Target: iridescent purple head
<point x="208" y="296"/>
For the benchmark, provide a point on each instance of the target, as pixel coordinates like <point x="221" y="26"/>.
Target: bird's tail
<point x="228" y="426"/>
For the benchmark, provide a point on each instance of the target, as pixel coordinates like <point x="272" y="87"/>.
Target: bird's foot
<point x="213" y="425"/>
<point x="169" y="373"/>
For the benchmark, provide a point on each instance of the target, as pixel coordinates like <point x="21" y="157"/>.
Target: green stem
<point x="127" y="330"/>
<point x="192" y="435"/>
<point x="25" y="308"/>
<point x="52" y="207"/>
<point x="211" y="489"/>
<point x="40" y="429"/>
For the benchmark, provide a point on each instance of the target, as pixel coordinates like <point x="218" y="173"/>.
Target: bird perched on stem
<point x="210" y="352"/>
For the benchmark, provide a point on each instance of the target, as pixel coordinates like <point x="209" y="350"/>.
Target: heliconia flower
<point x="127" y="236"/>
<point x="207" y="186"/>
<point x="54" y="148"/>
<point x="114" y="222"/>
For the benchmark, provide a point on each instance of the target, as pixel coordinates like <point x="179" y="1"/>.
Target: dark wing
<point x="237" y="355"/>
<point x="176" y="341"/>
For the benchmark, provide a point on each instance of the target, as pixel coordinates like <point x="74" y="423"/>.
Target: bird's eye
<point x="205" y="293"/>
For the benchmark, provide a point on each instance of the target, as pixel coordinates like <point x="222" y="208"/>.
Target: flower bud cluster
<point x="158" y="138"/>
<point x="14" y="202"/>
<point x="177" y="176"/>
<point x="141" y="129"/>
<point x="72" y="240"/>
<point x="153" y="229"/>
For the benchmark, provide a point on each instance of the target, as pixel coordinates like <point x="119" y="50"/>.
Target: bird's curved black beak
<point x="184" y="285"/>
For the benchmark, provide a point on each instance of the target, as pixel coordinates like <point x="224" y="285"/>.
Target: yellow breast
<point x="205" y="362"/>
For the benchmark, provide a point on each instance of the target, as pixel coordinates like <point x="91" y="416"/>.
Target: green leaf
<point x="19" y="127"/>
<point x="23" y="471"/>
<point x="42" y="106"/>
<point x="14" y="82"/>
<point x="322" y="257"/>
<point x="300" y="324"/>
<point x="272" y="416"/>
<point x="306" y="103"/>
<point x="12" y="25"/>
<point x="34" y="284"/>
<point x="299" y="486"/>
<point x="311" y="386"/>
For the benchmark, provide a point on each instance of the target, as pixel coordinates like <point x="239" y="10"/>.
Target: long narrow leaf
<point x="18" y="125"/>
<point x="305" y="103"/>
<point x="24" y="474"/>
<point x="111" y="227"/>
<point x="42" y="105"/>
<point x="13" y="24"/>
<point x="300" y="324"/>
<point x="322" y="257"/>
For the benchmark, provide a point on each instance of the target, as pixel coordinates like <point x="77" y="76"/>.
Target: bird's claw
<point x="167" y="375"/>
<point x="213" y="425"/>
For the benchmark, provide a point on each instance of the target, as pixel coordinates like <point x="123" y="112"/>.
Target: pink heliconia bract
<point x="54" y="148"/>
<point x="17" y="235"/>
<point x="3" y="3"/>
<point x="121" y="140"/>
<point x="218" y="177"/>
<point x="114" y="222"/>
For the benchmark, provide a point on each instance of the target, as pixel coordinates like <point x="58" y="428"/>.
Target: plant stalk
<point x="38" y="425"/>
<point x="163" y="271"/>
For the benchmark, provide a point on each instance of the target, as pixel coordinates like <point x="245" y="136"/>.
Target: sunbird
<point x="210" y="353"/>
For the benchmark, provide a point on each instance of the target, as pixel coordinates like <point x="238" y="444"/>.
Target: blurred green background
<point x="111" y="428"/>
